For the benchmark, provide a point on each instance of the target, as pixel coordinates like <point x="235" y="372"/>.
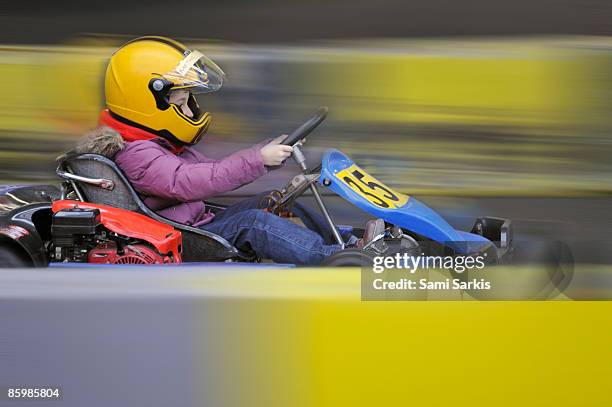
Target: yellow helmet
<point x="141" y="74"/>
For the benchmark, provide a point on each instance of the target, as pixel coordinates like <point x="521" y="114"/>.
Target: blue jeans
<point x="273" y="237"/>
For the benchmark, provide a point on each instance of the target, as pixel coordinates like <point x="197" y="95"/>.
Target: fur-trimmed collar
<point x="102" y="140"/>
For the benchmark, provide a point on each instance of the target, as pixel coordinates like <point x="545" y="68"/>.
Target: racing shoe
<point x="374" y="228"/>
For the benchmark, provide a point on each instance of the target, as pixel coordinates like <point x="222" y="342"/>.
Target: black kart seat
<point x="97" y="179"/>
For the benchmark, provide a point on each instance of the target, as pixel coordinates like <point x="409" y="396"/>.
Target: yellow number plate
<point x="370" y="188"/>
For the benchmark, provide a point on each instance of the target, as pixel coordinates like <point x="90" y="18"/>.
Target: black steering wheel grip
<point x="306" y="128"/>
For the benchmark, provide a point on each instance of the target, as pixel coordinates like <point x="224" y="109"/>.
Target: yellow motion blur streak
<point x="303" y="338"/>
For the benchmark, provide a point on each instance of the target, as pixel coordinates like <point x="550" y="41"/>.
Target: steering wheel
<point x="306" y="128"/>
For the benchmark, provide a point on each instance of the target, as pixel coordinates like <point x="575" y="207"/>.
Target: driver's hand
<point x="274" y="153"/>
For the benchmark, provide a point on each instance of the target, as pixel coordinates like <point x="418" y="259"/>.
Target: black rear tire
<point x="11" y="257"/>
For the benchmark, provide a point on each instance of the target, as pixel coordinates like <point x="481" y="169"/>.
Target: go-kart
<point x="96" y="216"/>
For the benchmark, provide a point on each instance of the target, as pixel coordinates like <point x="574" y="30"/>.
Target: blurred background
<point x="479" y="107"/>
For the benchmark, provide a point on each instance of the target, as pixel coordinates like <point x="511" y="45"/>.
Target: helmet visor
<point x="196" y="73"/>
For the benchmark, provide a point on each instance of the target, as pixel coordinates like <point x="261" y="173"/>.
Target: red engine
<point x="107" y="253"/>
<point x="85" y="232"/>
